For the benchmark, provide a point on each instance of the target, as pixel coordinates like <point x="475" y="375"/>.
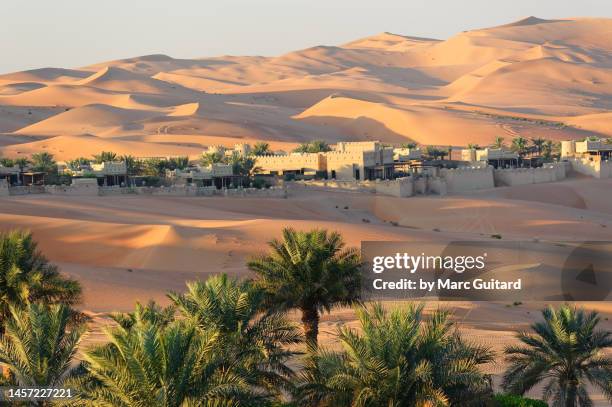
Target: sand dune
<point x="87" y="119"/>
<point x="552" y="74"/>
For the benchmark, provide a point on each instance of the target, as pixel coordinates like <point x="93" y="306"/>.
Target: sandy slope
<point x="130" y="248"/>
<point x="555" y="75"/>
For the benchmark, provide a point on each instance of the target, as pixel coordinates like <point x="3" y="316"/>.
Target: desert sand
<point x="133" y="248"/>
<point x="533" y="77"/>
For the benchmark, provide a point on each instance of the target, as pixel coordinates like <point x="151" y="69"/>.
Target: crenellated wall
<point x="525" y="176"/>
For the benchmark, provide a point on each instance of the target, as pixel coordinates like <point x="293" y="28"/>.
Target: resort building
<point x="361" y="160"/>
<point x="496" y="157"/>
<point x="294" y="163"/>
<point x="347" y="161"/>
<point x="108" y="173"/>
<point x="10" y="174"/>
<point x="589" y="157"/>
<point x="219" y="175"/>
<point x="407" y="154"/>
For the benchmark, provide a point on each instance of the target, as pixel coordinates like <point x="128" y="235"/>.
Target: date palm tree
<point x="565" y="352"/>
<point x="259" y="339"/>
<point x="398" y="358"/>
<point x="105" y="156"/>
<point x="261" y="148"/>
<point x="155" y="364"/>
<point x="519" y="144"/>
<point x="499" y="142"/>
<point x="27" y="276"/>
<point x="311" y="271"/>
<point x="22" y="163"/>
<point x="39" y="344"/>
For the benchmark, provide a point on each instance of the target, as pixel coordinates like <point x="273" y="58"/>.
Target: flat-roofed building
<point x="589" y="157"/>
<point x="497" y="157"/>
<point x="407" y="154"/>
<point x="219" y="175"/>
<point x="10" y="174"/>
<point x="294" y="163"/>
<point x="360" y="160"/>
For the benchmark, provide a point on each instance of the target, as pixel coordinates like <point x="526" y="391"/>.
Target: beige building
<point x="407" y="154"/>
<point x="296" y="163"/>
<point x="347" y="161"/>
<point x="497" y="157"/>
<point x="215" y="174"/>
<point x="588" y="157"/>
<point x="361" y="160"/>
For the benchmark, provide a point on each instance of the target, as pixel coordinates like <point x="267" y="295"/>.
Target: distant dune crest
<point x="532" y="77"/>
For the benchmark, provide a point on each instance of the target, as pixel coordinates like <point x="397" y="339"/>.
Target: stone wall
<point x="525" y="176"/>
<point x="4" y="189"/>
<point x="358" y="186"/>
<point x="467" y="179"/>
<point x="79" y="187"/>
<point x="591" y="167"/>
<point x="400" y="187"/>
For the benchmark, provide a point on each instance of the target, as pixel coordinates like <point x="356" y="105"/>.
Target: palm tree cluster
<point x="315" y="146"/>
<point x="229" y="342"/>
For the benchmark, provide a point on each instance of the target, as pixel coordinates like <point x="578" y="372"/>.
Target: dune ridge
<point x="390" y="87"/>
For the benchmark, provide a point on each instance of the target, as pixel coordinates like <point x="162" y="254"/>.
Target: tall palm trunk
<point x="310" y="322"/>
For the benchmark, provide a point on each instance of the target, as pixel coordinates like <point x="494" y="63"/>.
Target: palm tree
<point x="22" y="163"/>
<point x="39" y="345"/>
<point x="499" y="142"/>
<point x="519" y="144"/>
<point x="473" y="146"/>
<point x="131" y="164"/>
<point x="261" y="148"/>
<point x="538" y="143"/>
<point x="7" y="162"/>
<point x="211" y="158"/>
<point x="315" y="146"/>
<point x="258" y="338"/>
<point x="566" y="353"/>
<point x="409" y="146"/>
<point x="151" y="312"/>
<point x="150" y="364"/>
<point x="44" y="162"/>
<point x="311" y="271"/>
<point x="398" y="358"/>
<point x="105" y="156"/>
<point x="27" y="276"/>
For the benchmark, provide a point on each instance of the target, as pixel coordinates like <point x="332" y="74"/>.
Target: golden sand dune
<point x="555" y="75"/>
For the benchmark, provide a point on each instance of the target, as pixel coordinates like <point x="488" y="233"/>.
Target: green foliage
<point x="519" y="145"/>
<point x="435" y="153"/>
<point x="397" y="358"/>
<point x="39" y="344"/>
<point x="512" y="400"/>
<point x="44" y="162"/>
<point x="261" y="148"/>
<point x="311" y="271"/>
<point x="409" y="146"/>
<point x="78" y="163"/>
<point x="212" y="158"/>
<point x="315" y="146"/>
<point x="27" y="276"/>
<point x="152" y="364"/>
<point x="566" y="353"/>
<point x="499" y="142"/>
<point x="105" y="156"/>
<point x="6" y="162"/>
<point x="233" y="309"/>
